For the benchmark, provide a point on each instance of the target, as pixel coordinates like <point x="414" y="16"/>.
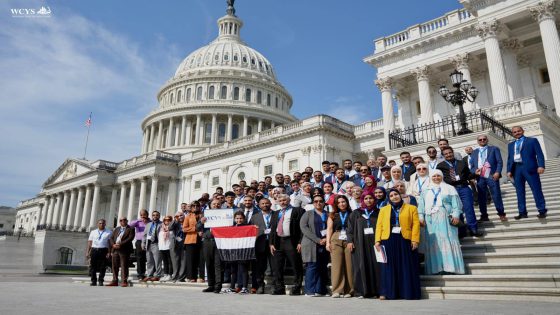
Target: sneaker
<point x="226" y="291"/>
<point x="318" y="295"/>
<point x="347" y="296"/>
<point x="243" y="291"/>
<point x="335" y="295"/>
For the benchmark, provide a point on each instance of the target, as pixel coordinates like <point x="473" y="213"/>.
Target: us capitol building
<point x="224" y="117"/>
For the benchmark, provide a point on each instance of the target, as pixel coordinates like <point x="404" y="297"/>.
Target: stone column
<point x="544" y="13"/>
<point x="45" y="213"/>
<point x="385" y="85"/>
<point x="169" y="141"/>
<point x="214" y="133"/>
<point x="510" y="47"/>
<point x="142" y="201"/>
<point x="229" y="127"/>
<point x="525" y="75"/>
<point x="188" y="133"/>
<point x="152" y="135"/>
<point x="153" y="193"/>
<point x="131" y="199"/>
<point x="79" y="209"/>
<point x="488" y="31"/>
<point x="259" y="125"/>
<point x="461" y="63"/>
<point x="64" y="211"/>
<point x="182" y="133"/>
<point x="57" y="207"/>
<point x="95" y="206"/>
<point x="426" y="103"/>
<point x="50" y="213"/>
<point x="272" y="124"/>
<point x="160" y="136"/>
<point x="245" y="125"/>
<point x="87" y="209"/>
<point x="112" y="207"/>
<point x="196" y="131"/>
<point x="172" y="196"/>
<point x="39" y="216"/>
<point x="71" y="210"/>
<point x="145" y="141"/>
<point x="122" y="201"/>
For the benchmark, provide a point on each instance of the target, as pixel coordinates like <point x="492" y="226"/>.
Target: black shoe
<point x="100" y="284"/>
<point x="521" y="216"/>
<point x="209" y="289"/>
<point x="93" y="284"/>
<point x="541" y="215"/>
<point x="483" y="218"/>
<point x="475" y="233"/>
<point x="278" y="292"/>
<point x="296" y="291"/>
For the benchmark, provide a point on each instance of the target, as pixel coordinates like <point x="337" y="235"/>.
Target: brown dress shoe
<point x="154" y="279"/>
<point x="124" y="284"/>
<point x="253" y="291"/>
<point x="112" y="284"/>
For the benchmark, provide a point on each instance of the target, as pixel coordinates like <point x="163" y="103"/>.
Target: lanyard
<point x="100" y="235"/>
<point x="267" y="220"/>
<point x="368" y="215"/>
<point x="396" y="212"/>
<point x="343" y="216"/>
<point x="420" y="184"/>
<point x="122" y="231"/>
<point x="454" y="165"/>
<point x="433" y="164"/>
<point x="435" y="195"/>
<point x="518" y="145"/>
<point x="338" y="185"/>
<point x="324" y="219"/>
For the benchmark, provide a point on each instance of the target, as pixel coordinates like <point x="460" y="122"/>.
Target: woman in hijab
<point x="398" y="231"/>
<point x="439" y="209"/>
<point x="369" y="188"/>
<point x="396" y="174"/>
<point x="361" y="238"/>
<point x="419" y="181"/>
<point x="400" y="186"/>
<point x="380" y="195"/>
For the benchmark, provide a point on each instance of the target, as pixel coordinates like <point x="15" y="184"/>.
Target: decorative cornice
<point x="256" y="162"/>
<point x="489" y="29"/>
<point x="524" y="60"/>
<point x="205" y="173"/>
<point x="384" y="84"/>
<point x="510" y="44"/>
<point x="224" y="169"/>
<point x="544" y="10"/>
<point x="460" y="61"/>
<point x="421" y="73"/>
<point x="305" y="150"/>
<point x="280" y="157"/>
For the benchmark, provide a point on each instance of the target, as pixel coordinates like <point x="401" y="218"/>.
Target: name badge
<point x="342" y="236"/>
<point x="457" y="177"/>
<point x="434" y="209"/>
<point x="517" y="157"/>
<point x="323" y="233"/>
<point x="396" y="229"/>
<point x="368" y="230"/>
<point x="267" y="231"/>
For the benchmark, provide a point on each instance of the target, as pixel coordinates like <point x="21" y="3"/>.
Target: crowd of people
<point x="373" y="223"/>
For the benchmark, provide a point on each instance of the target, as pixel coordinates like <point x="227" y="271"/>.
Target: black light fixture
<point x="464" y="91"/>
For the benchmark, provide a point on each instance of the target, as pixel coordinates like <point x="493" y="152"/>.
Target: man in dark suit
<point x="360" y="178"/>
<point x="486" y="164"/>
<point x="121" y="247"/>
<point x="407" y="167"/>
<point x="248" y="208"/>
<point x="457" y="174"/>
<point x="285" y="244"/>
<point x="526" y="164"/>
<point x="262" y="246"/>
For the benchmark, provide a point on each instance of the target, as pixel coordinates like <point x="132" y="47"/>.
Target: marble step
<point x="507" y="268"/>
<point x="498" y="237"/>
<point x="535" y="226"/>
<point x="492" y="293"/>
<point x="511" y="247"/>
<point x="517" y="281"/>
<point x="553" y="216"/>
<point x="540" y="255"/>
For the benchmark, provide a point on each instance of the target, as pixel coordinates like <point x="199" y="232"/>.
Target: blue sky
<point x="111" y="57"/>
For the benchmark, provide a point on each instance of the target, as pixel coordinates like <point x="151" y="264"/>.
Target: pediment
<point x="69" y="169"/>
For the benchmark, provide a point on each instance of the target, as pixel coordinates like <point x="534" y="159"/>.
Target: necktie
<point x="452" y="173"/>
<point x="280" y="228"/>
<point x="247" y="215"/>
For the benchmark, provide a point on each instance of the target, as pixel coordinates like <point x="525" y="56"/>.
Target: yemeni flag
<point x="236" y="243"/>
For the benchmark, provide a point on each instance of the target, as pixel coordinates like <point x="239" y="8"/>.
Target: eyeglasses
<point x="483" y="139"/>
<point x="318" y="201"/>
<point x="421" y="168"/>
<point x="363" y="170"/>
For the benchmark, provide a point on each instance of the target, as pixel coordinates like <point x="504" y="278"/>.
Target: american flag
<point x="88" y="121"/>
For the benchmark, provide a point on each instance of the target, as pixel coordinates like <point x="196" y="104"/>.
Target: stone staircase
<point x="515" y="259"/>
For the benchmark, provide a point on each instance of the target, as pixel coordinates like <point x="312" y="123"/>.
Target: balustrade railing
<point x="447" y="127"/>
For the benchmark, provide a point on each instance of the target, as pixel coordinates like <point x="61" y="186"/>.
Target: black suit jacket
<point x="126" y="239"/>
<point x="261" y="243"/>
<point x="295" y="230"/>
<point x="461" y="169"/>
<point x="409" y="171"/>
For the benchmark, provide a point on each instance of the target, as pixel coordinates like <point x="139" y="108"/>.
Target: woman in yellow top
<point x="398" y="230"/>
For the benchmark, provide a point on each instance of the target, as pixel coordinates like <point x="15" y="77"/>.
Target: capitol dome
<point x="220" y="92"/>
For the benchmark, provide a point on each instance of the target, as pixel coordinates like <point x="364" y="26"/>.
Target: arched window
<point x="193" y="134"/>
<point x="221" y="132"/>
<point x="64" y="256"/>
<point x="207" y="133"/>
<point x="248" y="95"/>
<point x="211" y="93"/>
<point x="249" y="130"/>
<point x="226" y="57"/>
<point x="179" y="96"/>
<point x="223" y="92"/>
<point x="245" y="59"/>
<point x="236" y="94"/>
<point x="235" y="131"/>
<point x="171" y="98"/>
<point x="199" y="93"/>
<point x="259" y="97"/>
<point x="188" y="98"/>
<point x="235" y="57"/>
<point x="268" y="99"/>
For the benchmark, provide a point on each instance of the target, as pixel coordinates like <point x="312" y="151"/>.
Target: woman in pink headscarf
<point x="369" y="188"/>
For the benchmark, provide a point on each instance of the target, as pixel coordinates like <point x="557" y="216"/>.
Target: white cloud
<point x="350" y="109"/>
<point x="54" y="72"/>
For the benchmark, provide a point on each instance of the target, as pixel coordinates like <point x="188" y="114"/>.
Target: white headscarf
<point x="446" y="189"/>
<point x="416" y="181"/>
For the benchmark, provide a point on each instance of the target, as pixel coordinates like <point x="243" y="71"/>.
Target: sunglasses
<point x="421" y="168"/>
<point x="121" y="220"/>
<point x="483" y="139"/>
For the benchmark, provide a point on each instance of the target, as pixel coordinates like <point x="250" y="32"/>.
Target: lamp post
<point x="464" y="91"/>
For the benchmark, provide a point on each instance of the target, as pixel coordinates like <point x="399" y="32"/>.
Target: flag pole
<point x="88" y="124"/>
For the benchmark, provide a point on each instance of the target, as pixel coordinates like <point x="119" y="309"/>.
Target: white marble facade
<point x="224" y="116"/>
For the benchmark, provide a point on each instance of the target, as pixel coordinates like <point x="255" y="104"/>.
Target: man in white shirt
<point x="98" y="252"/>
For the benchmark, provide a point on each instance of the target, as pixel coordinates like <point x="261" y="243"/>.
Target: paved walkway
<point x="24" y="292"/>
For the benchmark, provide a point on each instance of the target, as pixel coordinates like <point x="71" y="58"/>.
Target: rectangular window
<point x="215" y="180"/>
<point x="418" y="108"/>
<point x="268" y="170"/>
<point x="1" y="225"/>
<point x="293" y="165"/>
<point x="545" y="78"/>
<point x="197" y="184"/>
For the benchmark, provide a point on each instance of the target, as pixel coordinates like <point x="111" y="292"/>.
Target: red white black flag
<point x="236" y="243"/>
